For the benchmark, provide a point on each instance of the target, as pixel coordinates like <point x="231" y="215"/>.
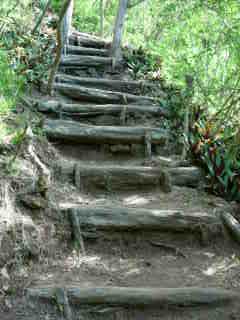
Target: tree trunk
<point x="123" y="296"/>
<point x="89" y="110"/>
<point x="123" y="218"/>
<point x="232" y="224"/>
<point x="79" y="133"/>
<point x="66" y="26"/>
<point x="39" y="21"/>
<point x="129" y="86"/>
<point x="118" y="30"/>
<point x="81" y="93"/>
<point x="60" y="45"/>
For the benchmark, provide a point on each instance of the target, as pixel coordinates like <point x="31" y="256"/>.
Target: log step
<point x="90" y="110"/>
<point x="89" y="41"/>
<point x="75" y="61"/>
<point x="108" y="177"/>
<point x="123" y="218"/>
<point x="105" y="84"/>
<point x="101" y="96"/>
<point x="81" y="133"/>
<point x="78" y="50"/>
<point x="129" y="296"/>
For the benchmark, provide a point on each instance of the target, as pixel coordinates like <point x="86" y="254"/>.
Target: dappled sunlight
<point x="136" y="200"/>
<point x="222" y="266"/>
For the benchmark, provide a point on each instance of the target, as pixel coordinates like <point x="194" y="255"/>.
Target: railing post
<point x="118" y="30"/>
<point x="66" y="26"/>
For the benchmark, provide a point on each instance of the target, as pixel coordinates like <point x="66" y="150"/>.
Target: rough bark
<point x="40" y="18"/>
<point x="60" y="45"/>
<point x="123" y="296"/>
<point x="129" y="86"/>
<point x="89" y="41"/>
<point x="74" y="61"/>
<point x="78" y="133"/>
<point x="101" y="96"/>
<point x="186" y="176"/>
<point x="66" y="25"/>
<point x="85" y="110"/>
<point x="232" y="224"/>
<point x="129" y="177"/>
<point x="86" y="51"/>
<point x="118" y="30"/>
<point x="122" y="218"/>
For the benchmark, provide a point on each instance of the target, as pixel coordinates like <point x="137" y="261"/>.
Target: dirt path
<point x="177" y="257"/>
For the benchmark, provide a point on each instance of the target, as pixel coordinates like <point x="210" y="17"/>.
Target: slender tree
<point x="118" y="30"/>
<point x="40" y="18"/>
<point x="67" y="24"/>
<point x="61" y="38"/>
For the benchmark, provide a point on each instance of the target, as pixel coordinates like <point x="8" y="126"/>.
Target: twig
<point x="170" y="247"/>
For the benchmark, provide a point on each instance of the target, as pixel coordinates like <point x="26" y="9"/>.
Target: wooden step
<point x="75" y="61"/>
<point x="101" y="96"/>
<point x="78" y="50"/>
<point x="105" y="84"/>
<point x="80" y="133"/>
<point x="129" y="296"/>
<point x="91" y="110"/>
<point x="123" y="218"/>
<point x="116" y="177"/>
<point x="89" y="41"/>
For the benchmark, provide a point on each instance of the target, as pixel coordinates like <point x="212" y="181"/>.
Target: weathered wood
<point x="186" y="176"/>
<point x="118" y="30"/>
<point x="130" y="177"/>
<point x="105" y="84"/>
<point x="232" y="224"/>
<point x="89" y="41"/>
<point x="80" y="133"/>
<point x="74" y="61"/>
<point x="66" y="25"/>
<point x="91" y="110"/>
<point x="77" y="231"/>
<point x="87" y="51"/>
<point x="122" y="218"/>
<point x="60" y="46"/>
<point x="161" y="297"/>
<point x="101" y="96"/>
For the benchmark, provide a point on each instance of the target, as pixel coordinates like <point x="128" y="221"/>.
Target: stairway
<point x="140" y="214"/>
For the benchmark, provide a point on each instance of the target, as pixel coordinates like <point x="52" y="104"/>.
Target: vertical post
<point x="66" y="26"/>
<point x="118" y="30"/>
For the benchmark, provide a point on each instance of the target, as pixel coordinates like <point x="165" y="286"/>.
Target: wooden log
<point x="74" y="61"/>
<point x="80" y="133"/>
<point x="78" y="50"/>
<point x="128" y="177"/>
<point x="91" y="110"/>
<point x="186" y="176"/>
<point x="88" y="41"/>
<point x="105" y="84"/>
<point x="123" y="218"/>
<point x="123" y="296"/>
<point x="232" y="224"/>
<point x="101" y="96"/>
